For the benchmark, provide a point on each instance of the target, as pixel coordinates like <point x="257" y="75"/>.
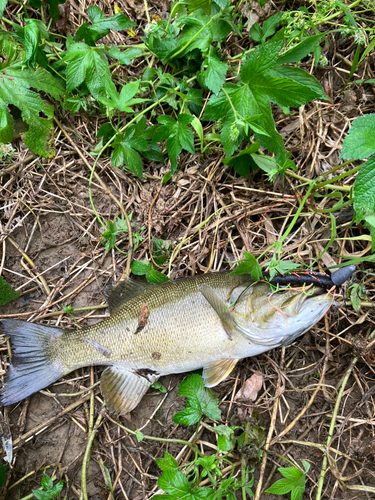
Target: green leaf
<point x="364" y="192"/>
<point x="174" y="148"/>
<point x="7" y="293"/>
<point x="125" y="152"/>
<point x="144" y="268"/>
<point x="140" y="267"/>
<point x="101" y="25"/>
<point x="138" y="434"/>
<point x="154" y="276"/>
<point x="109" y="235"/>
<point x="360" y="141"/>
<point x="3" y="4"/>
<point x="294" y="481"/>
<point x="46" y="482"/>
<point x="214" y="76"/>
<point x="87" y="65"/>
<point x="263" y="81"/>
<point x="201" y="401"/>
<point x="159" y="387"/>
<point x="261" y="33"/>
<point x="167" y="463"/>
<point x="301" y="50"/>
<point x="300" y="76"/>
<point x="50" y="491"/>
<point x="249" y="265"/>
<point x="6" y="125"/>
<point x="175" y="483"/>
<point x="259" y="60"/>
<point x="243" y="161"/>
<point x="15" y="83"/>
<point x="31" y="39"/>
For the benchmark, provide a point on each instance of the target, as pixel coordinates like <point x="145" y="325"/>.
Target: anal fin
<point x="216" y="371"/>
<point x="123" y="390"/>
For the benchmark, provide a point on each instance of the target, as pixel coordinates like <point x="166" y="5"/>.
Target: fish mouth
<point x="301" y="298"/>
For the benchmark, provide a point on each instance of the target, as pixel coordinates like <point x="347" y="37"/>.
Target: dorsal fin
<point x="124" y="291"/>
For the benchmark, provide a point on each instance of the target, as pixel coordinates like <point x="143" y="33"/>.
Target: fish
<point x="207" y="322"/>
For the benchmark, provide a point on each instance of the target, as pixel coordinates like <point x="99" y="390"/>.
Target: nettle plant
<point x="191" y="95"/>
<point x="163" y="106"/>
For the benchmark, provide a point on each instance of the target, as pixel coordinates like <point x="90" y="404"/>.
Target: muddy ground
<point x="67" y="265"/>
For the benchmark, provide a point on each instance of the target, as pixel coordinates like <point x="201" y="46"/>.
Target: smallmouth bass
<point x="209" y="321"/>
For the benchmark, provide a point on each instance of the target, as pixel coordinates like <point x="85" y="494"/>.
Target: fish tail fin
<point x="35" y="361"/>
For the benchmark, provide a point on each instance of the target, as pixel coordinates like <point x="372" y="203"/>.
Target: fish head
<point x="277" y="318"/>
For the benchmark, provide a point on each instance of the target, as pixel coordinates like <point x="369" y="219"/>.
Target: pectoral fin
<point x="215" y="372"/>
<point x="221" y="309"/>
<point x="123" y="390"/>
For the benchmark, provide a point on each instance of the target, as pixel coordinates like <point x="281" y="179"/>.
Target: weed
<point x="114" y="229"/>
<point x="217" y="468"/>
<point x="145" y="268"/>
<point x="293" y="482"/>
<point x="7" y="293"/>
<point x="48" y="491"/>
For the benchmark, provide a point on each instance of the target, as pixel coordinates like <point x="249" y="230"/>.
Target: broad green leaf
<point x="292" y="473"/>
<point x="174" y="148"/>
<point x="300" y="76"/>
<point x="186" y="138"/>
<point x="281" y="487"/>
<point x="301" y="50"/>
<point x="246" y="103"/>
<point x="89" y="65"/>
<point x="249" y="265"/>
<point x="191" y="386"/>
<point x="282" y="91"/>
<point x="101" y="25"/>
<point x="154" y="276"/>
<point x="3" y="4"/>
<point x="201" y="401"/>
<point x="31" y="38"/>
<point x="360" y="141"/>
<point x="124" y="154"/>
<point x="15" y="83"/>
<point x="6" y="124"/>
<point x="294" y="481"/>
<point x="364" y="191"/>
<point x="140" y="267"/>
<point x="175" y="483"/>
<point x="259" y="60"/>
<point x="214" y="76"/>
<point x="50" y="492"/>
<point x="46" y="482"/>
<point x="167" y="463"/>
<point x="261" y="33"/>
